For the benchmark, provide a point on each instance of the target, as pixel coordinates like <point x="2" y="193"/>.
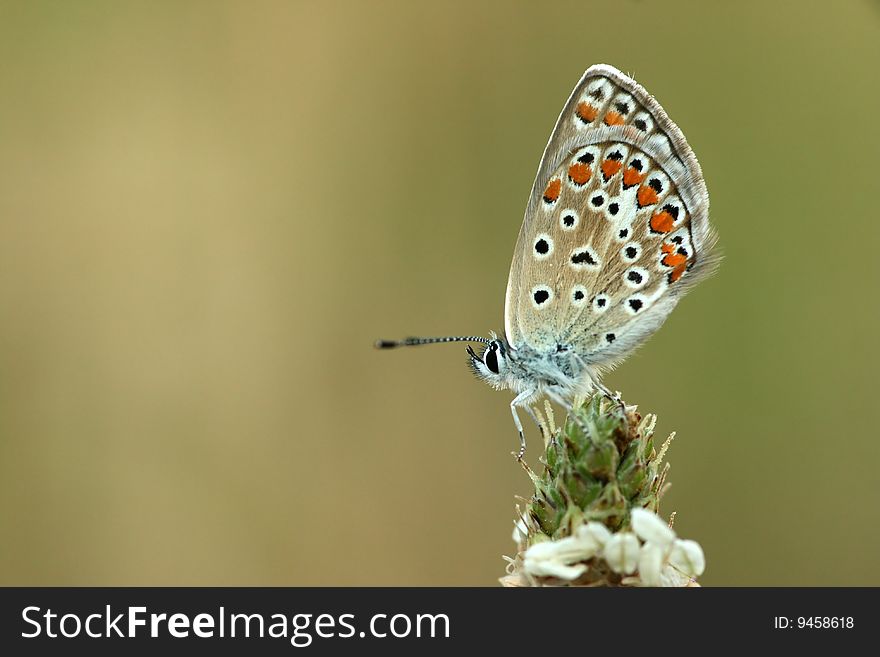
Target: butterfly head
<point x="492" y="365"/>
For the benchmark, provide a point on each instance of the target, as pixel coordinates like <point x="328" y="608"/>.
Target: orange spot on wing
<point x="610" y="167"/>
<point x="646" y="196"/>
<point x="662" y="222"/>
<point x="580" y="173"/>
<point x="674" y="260"/>
<point x="632" y="177"/>
<point x="551" y="194"/>
<point x="677" y="272"/>
<point x="666" y="247"/>
<point x="586" y="112"/>
<point x="613" y="118"/>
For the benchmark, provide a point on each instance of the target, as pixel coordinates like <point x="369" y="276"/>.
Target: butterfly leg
<point x="519" y="399"/>
<point x="535" y="419"/>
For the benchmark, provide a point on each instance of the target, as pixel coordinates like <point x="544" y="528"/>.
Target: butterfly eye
<point x="490" y="358"/>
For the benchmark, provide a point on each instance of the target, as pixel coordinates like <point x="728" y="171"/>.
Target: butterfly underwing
<point x="615" y="232"/>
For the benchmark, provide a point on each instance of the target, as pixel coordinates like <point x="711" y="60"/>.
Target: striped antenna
<point x="413" y="342"/>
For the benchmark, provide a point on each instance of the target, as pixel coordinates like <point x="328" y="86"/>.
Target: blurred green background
<point x="210" y="210"/>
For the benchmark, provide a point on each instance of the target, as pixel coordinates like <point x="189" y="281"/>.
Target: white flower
<point x="688" y="557"/>
<point x="650" y="528"/>
<point x="595" y="532"/>
<point x="560" y="558"/>
<point x="520" y="531"/>
<point x="542" y="551"/>
<point x="555" y="559"/>
<point x="622" y="552"/>
<point x="651" y="558"/>
<point x="564" y="550"/>
<point x="673" y="578"/>
<point x="553" y="569"/>
<point x="659" y="558"/>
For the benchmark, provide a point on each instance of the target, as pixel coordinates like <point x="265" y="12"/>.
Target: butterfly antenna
<point x="412" y="342"/>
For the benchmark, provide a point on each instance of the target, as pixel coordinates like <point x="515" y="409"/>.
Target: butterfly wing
<point x="616" y="228"/>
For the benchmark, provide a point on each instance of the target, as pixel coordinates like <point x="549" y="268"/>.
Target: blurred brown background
<point x="210" y="210"/>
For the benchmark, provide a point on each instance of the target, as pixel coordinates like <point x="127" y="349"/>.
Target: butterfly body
<point x="532" y="373"/>
<point x="615" y="232"/>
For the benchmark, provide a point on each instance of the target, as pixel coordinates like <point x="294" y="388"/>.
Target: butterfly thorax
<point x="558" y="372"/>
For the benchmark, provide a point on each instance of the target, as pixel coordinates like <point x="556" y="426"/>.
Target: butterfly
<point x="615" y="232"/>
